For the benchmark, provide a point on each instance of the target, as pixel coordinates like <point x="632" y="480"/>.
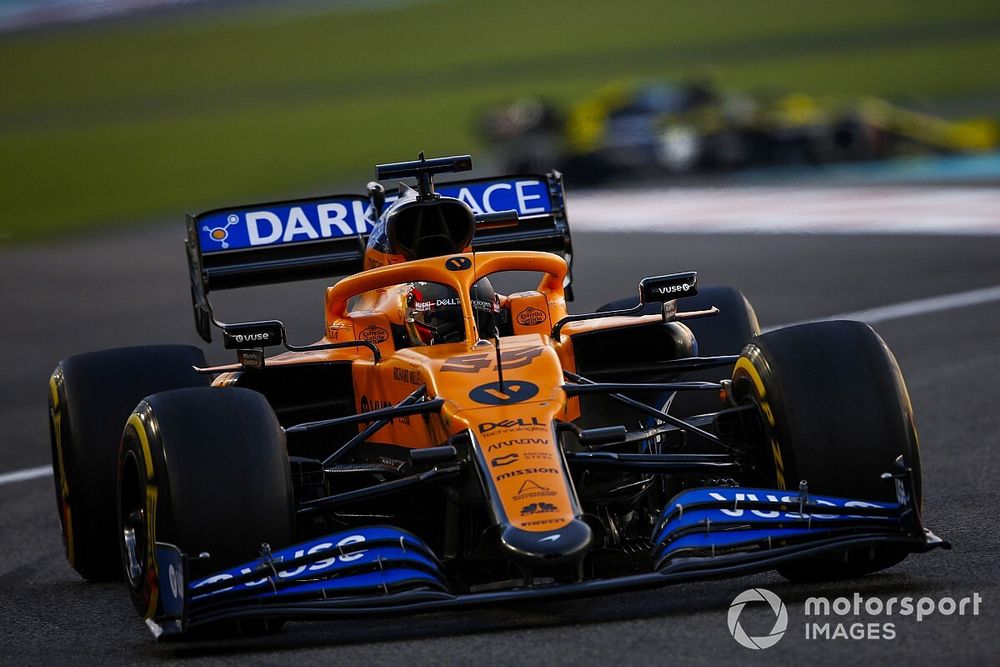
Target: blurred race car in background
<point x="694" y="126"/>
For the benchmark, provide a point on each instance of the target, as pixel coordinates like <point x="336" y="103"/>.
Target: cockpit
<point x="434" y="314"/>
<point x="431" y="302"/>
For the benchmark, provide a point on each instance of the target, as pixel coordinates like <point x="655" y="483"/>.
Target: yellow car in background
<point x="694" y="126"/>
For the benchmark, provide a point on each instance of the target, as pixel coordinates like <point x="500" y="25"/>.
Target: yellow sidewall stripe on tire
<point x="67" y="517"/>
<point x="136" y="422"/>
<point x="745" y="365"/>
<point x="779" y="464"/>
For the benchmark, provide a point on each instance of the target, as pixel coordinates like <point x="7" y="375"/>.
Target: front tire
<point x="204" y="469"/>
<point x="834" y="412"/>
<point x="90" y="398"/>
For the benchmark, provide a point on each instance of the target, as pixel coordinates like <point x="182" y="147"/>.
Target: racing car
<point x="446" y="444"/>
<point x="695" y="126"/>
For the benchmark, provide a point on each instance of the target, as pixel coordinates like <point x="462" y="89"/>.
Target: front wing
<point x="383" y="570"/>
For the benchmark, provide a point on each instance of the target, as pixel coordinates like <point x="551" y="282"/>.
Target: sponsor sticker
<point x="333" y="331"/>
<point x="504" y="460"/>
<point x="512" y="391"/>
<point x="526" y="471"/>
<point x="278" y="224"/>
<point x="531" y="489"/>
<point x="517" y="441"/>
<point x="526" y="196"/>
<point x="338" y="217"/>
<point x="530" y="317"/>
<point x="374" y="334"/>
<point x="458" y="264"/>
<point x="538" y="508"/>
<point x="508" y="425"/>
<point x="543" y="522"/>
<point x="369" y="404"/>
<point x="407" y="375"/>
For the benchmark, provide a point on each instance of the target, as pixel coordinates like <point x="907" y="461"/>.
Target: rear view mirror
<point x="660" y="289"/>
<point x="268" y="333"/>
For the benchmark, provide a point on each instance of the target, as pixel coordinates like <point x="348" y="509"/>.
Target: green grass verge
<point x="113" y="123"/>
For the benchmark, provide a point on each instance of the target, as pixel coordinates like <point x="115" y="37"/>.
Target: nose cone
<point x="568" y="542"/>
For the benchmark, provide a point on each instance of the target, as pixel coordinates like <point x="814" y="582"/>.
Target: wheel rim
<point x="132" y="521"/>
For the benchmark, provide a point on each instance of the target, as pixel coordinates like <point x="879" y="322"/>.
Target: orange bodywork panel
<point x="512" y="424"/>
<point x="529" y="313"/>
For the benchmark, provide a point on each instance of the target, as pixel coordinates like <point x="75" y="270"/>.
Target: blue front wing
<point x="383" y="570"/>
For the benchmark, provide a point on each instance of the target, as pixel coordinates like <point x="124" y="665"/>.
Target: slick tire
<point x="205" y="469"/>
<point x="836" y="413"/>
<point x="90" y="398"/>
<point x="717" y="335"/>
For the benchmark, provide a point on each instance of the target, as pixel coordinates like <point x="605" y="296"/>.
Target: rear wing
<point x="322" y="237"/>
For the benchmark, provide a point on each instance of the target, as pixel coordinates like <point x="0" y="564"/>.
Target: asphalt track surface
<point x="131" y="288"/>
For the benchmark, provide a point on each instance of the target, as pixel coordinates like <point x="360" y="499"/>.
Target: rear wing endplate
<point x="323" y="237"/>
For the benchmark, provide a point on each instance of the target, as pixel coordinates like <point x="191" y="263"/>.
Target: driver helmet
<point x="434" y="312"/>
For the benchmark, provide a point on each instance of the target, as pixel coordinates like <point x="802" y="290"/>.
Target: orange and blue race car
<point x="450" y="444"/>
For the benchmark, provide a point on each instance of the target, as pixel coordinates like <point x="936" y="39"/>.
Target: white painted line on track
<point x="25" y="475"/>
<point x="898" y="311"/>
<point x="894" y="311"/>
<point x="773" y="209"/>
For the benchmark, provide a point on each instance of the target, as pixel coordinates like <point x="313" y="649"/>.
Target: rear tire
<point x="90" y="398"/>
<point x="725" y="333"/>
<point x="717" y="335"/>
<point x="835" y="412"/>
<point x="205" y="469"/>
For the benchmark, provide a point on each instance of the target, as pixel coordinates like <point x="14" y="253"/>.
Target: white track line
<point x="899" y="311"/>
<point x="771" y="209"/>
<point x="25" y="475"/>
<point x="894" y="311"/>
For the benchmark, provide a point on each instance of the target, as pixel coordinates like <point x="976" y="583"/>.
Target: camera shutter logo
<point x="780" y="618"/>
<point x="221" y="234"/>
